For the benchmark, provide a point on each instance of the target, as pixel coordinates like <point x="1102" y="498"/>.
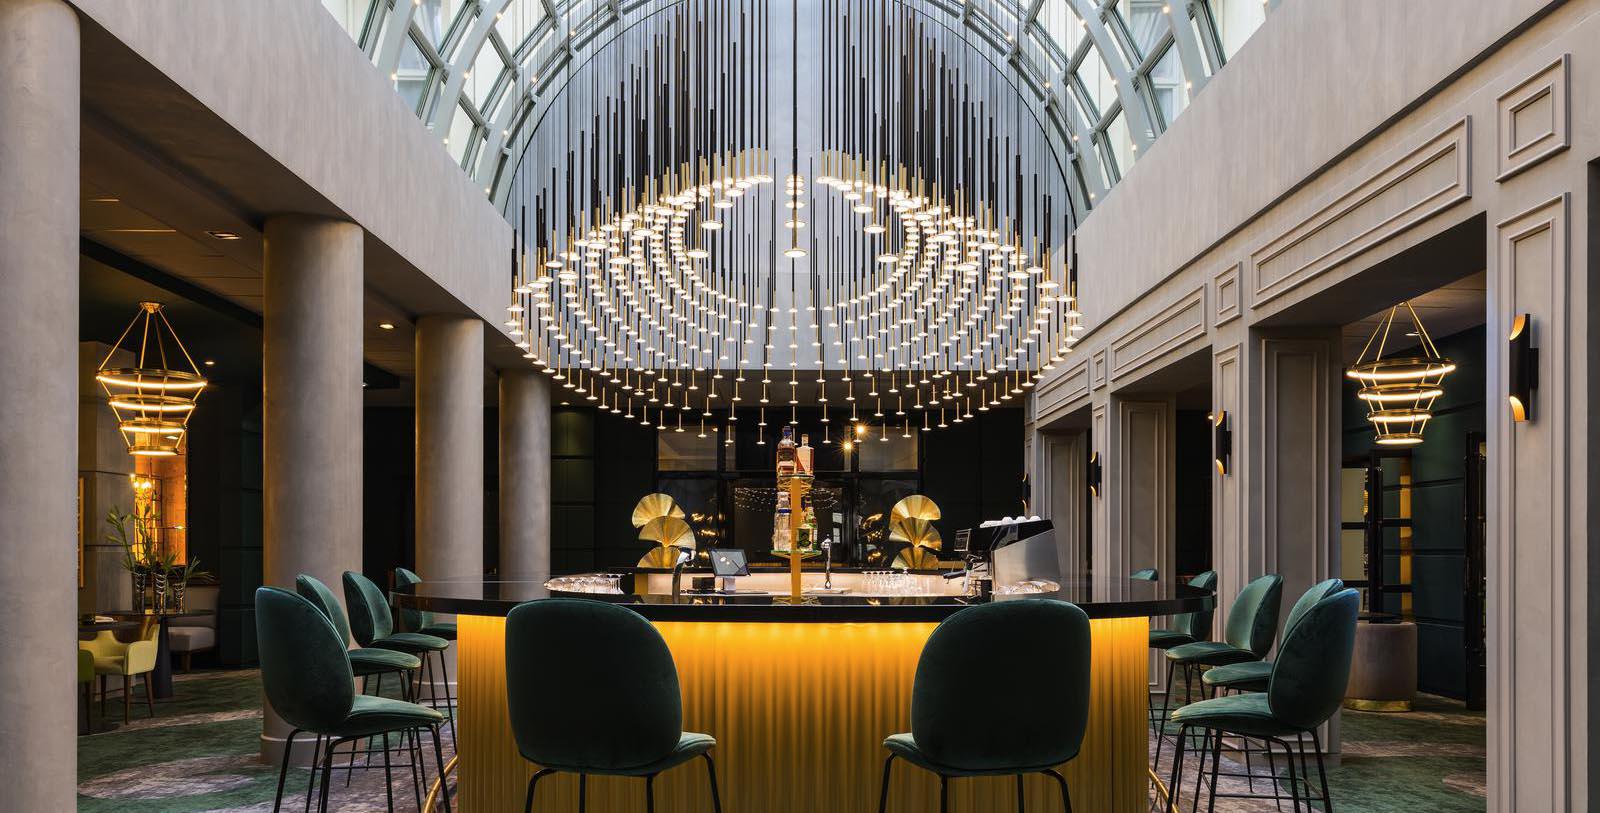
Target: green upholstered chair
<point x="369" y="664"/>
<point x="86" y="683"/>
<point x="1188" y="627"/>
<point x="113" y="658"/>
<point x="373" y="626"/>
<point x="1251" y="629"/>
<point x="1145" y="574"/>
<point x="1305" y="687"/>
<point x="413" y="620"/>
<point x="1041" y="646"/>
<point x="613" y="707"/>
<point x="1252" y="676"/>
<point x="306" y="676"/>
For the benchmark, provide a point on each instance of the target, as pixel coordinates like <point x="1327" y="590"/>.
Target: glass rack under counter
<point x="799" y="691"/>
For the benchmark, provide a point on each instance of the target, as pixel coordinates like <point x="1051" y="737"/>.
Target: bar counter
<point x="800" y="696"/>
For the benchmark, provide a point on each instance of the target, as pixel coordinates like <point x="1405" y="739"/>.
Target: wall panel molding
<point x="1418" y="185"/>
<point x="1061" y="392"/>
<point x="1533" y="686"/>
<point x="1226" y="298"/>
<point x="1097" y="369"/>
<point x="1533" y="119"/>
<point x="1167" y="330"/>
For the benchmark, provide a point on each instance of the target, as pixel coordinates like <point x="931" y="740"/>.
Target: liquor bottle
<point x="806" y="538"/>
<point x="803" y="455"/>
<point x="786" y="449"/>
<point x="782" y="530"/>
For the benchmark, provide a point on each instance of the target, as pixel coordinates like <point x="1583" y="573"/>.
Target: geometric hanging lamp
<point x="1400" y="390"/>
<point x="152" y="400"/>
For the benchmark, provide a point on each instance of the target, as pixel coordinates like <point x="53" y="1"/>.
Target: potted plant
<point x="133" y="559"/>
<point x="183" y="575"/>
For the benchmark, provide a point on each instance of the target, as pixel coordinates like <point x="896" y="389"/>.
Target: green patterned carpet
<point x="199" y="754"/>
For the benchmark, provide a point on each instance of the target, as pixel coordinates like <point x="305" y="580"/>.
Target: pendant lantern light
<point x="1399" y="390"/>
<point x="153" y="399"/>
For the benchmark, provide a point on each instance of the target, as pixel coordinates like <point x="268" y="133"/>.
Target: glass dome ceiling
<point x="1109" y="76"/>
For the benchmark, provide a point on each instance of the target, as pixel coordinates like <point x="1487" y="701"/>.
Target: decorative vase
<point x="138" y="590"/>
<point x="179" y="588"/>
<point x="161" y="592"/>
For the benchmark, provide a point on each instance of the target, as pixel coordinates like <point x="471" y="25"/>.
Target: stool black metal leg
<point x="1177" y="769"/>
<point x="1066" y="796"/>
<point x="388" y="776"/>
<point x="1200" y="769"/>
<point x="1322" y="773"/>
<point x="711" y="776"/>
<point x="311" y="779"/>
<point x="944" y="794"/>
<point x="1272" y="765"/>
<point x="650" y="794"/>
<point x="583" y="792"/>
<point x="438" y="756"/>
<point x="1021" y="808"/>
<point x="1216" y="758"/>
<point x="883" y="795"/>
<point x="327" y="774"/>
<point x="1294" y="781"/>
<point x="449" y="700"/>
<point x="533" y="782"/>
<point x="412" y="755"/>
<point x="283" y="769"/>
<point x="1161" y="724"/>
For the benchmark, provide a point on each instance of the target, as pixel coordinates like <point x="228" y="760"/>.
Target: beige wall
<point x="1263" y="220"/>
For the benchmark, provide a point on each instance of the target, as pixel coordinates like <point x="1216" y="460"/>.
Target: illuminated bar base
<point x="800" y="711"/>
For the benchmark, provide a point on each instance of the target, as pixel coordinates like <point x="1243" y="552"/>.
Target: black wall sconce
<point x="1093" y="474"/>
<point x="1524" y="368"/>
<point x="1222" y="442"/>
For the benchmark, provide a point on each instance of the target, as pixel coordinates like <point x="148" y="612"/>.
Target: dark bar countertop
<point x="1128" y="599"/>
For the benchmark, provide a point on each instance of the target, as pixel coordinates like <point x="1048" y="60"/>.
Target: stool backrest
<point x="590" y="685"/>
<point x="1198" y="623"/>
<point x="1309" y="599"/>
<point x="411" y="620"/>
<point x="313" y="590"/>
<point x="1312" y="670"/>
<point x="1145" y="574"/>
<point x="369" y="612"/>
<point x="1004" y="685"/>
<point x="1253" y="618"/>
<point x="305" y="672"/>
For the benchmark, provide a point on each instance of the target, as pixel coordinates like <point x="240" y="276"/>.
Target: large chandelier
<point x="153" y="399"/>
<point x="1399" y="391"/>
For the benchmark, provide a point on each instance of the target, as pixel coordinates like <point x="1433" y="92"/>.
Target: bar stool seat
<point x="374" y="661"/>
<point x="417" y="620"/>
<point x="905" y="747"/>
<point x="445" y="630"/>
<point x="1210" y="653"/>
<point x="691" y="744"/>
<point x="411" y="642"/>
<point x="370" y="714"/>
<point x="1247" y="714"/>
<point x="1167" y="639"/>
<point x="1246" y="677"/>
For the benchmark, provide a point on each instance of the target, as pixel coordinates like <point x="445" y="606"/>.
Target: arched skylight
<point x="1109" y="75"/>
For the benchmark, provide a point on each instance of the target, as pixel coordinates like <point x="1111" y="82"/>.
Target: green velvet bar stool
<point x="1252" y="676"/>
<point x="1145" y="574"/>
<point x="1041" y="647"/>
<point x="306" y="676"/>
<point x="373" y="626"/>
<point x="413" y="620"/>
<point x="1186" y="628"/>
<point x="1251" y="629"/>
<point x="1305" y="688"/>
<point x="591" y="688"/>
<point x="365" y="663"/>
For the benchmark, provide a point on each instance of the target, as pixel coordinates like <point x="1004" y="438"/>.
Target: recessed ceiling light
<point x="386" y="325"/>
<point x="223" y="235"/>
<point x="211" y="363"/>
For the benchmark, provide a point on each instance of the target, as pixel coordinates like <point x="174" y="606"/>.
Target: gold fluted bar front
<point x="800" y="711"/>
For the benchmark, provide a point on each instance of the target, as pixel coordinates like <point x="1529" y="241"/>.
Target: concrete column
<point x="449" y="386"/>
<point x="311" y="408"/>
<point x="39" y="57"/>
<point x="524" y="474"/>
